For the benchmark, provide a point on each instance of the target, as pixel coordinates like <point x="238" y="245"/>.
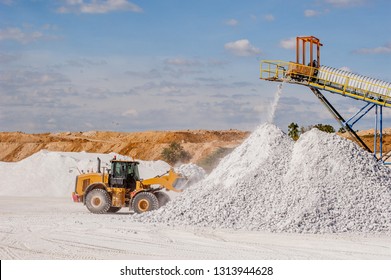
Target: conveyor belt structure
<point x="374" y="92"/>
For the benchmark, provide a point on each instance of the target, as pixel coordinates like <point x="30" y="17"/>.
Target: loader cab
<point x="124" y="174"/>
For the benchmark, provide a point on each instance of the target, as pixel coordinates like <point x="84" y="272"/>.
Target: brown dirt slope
<point x="148" y="145"/>
<point x="203" y="145"/>
<point x="367" y="137"/>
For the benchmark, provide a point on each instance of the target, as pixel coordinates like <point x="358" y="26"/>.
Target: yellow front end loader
<point x="121" y="186"/>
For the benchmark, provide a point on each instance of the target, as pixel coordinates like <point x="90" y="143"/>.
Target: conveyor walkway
<point x="329" y="79"/>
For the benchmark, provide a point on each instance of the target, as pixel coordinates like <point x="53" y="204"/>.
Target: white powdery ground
<point x="320" y="184"/>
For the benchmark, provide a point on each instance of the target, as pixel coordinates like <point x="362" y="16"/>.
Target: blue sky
<point x="78" y="65"/>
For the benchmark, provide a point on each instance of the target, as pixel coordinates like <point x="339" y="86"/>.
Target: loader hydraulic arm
<point x="167" y="181"/>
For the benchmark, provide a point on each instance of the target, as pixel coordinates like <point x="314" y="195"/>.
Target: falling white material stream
<point x="274" y="104"/>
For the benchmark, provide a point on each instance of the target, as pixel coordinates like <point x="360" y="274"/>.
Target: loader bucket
<point x="181" y="183"/>
<point x="168" y="181"/>
<point x="175" y="181"/>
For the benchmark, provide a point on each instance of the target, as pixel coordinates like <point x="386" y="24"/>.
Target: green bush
<point x="325" y="127"/>
<point x="293" y="131"/>
<point x="175" y="153"/>
<point x="342" y="130"/>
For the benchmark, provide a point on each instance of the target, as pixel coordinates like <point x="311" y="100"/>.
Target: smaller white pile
<point x="335" y="186"/>
<point x="53" y="173"/>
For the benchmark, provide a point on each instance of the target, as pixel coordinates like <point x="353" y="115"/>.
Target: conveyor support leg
<point x="339" y="118"/>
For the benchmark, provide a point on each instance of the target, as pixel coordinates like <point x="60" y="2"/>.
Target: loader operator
<point x="131" y="180"/>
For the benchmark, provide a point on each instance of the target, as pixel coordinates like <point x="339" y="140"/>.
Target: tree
<point x="293" y="131"/>
<point x="175" y="153"/>
<point x="325" y="127"/>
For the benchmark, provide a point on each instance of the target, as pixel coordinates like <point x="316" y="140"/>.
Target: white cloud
<point x="8" y="58"/>
<point x="98" y="6"/>
<point x="288" y="43"/>
<point x="7" y="2"/>
<point x="242" y="48"/>
<point x="377" y="50"/>
<point x="269" y="17"/>
<point x="180" y="61"/>
<point x="26" y="34"/>
<point x="19" y="35"/>
<point x="49" y="27"/>
<point x="216" y="62"/>
<point x="311" y="13"/>
<point x="345" y="68"/>
<point x="232" y="22"/>
<point x="130" y="113"/>
<point x="345" y="3"/>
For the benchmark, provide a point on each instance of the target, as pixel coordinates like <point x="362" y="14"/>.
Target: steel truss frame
<point x="348" y="125"/>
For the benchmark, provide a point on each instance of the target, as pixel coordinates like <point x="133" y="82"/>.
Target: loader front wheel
<point x="145" y="201"/>
<point x="98" y="201"/>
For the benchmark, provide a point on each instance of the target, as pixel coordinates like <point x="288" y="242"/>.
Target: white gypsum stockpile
<point x="320" y="184"/>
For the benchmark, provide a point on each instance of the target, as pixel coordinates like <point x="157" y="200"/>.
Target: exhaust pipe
<point x="99" y="161"/>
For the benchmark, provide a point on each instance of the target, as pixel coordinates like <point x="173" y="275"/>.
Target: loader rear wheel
<point x="145" y="201"/>
<point x="98" y="201"/>
<point x="162" y="197"/>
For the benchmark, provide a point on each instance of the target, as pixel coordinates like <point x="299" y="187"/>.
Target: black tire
<point x="113" y="209"/>
<point x="162" y="197"/>
<point x="98" y="201"/>
<point x="144" y="201"/>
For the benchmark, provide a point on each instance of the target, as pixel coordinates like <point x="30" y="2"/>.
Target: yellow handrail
<point x="355" y="86"/>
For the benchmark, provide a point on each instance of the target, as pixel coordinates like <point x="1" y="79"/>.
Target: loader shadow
<point x="121" y="214"/>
